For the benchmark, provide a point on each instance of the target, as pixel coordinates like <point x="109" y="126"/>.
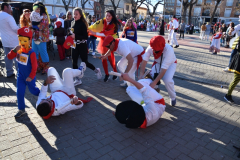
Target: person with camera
<point x="164" y="65"/>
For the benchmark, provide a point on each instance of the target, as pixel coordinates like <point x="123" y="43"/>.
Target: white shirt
<point x="168" y="56"/>
<point x="236" y="30"/>
<point x="175" y="24"/>
<point x="153" y="111"/>
<point x="61" y="20"/>
<point x="58" y="98"/>
<point x="170" y="25"/>
<point x="8" y="30"/>
<point x="35" y="17"/>
<point x="126" y="46"/>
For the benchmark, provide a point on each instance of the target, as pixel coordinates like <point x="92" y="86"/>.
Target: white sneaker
<point x="226" y="69"/>
<point x="77" y="81"/>
<point x="99" y="74"/>
<point x="82" y="66"/>
<point x="123" y="84"/>
<point x="93" y="53"/>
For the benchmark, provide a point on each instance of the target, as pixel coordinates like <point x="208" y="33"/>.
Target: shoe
<point x="168" y="41"/>
<point x="62" y="59"/>
<point x="106" y="78"/>
<point x="115" y="78"/>
<point x="123" y="84"/>
<point x="82" y="66"/>
<point x="99" y="74"/>
<point x="20" y="113"/>
<point x="77" y="81"/>
<point x="227" y="46"/>
<point x="176" y="46"/>
<point x="226" y="69"/>
<point x="93" y="53"/>
<point x="214" y="53"/>
<point x="228" y="99"/>
<point x="13" y="75"/>
<point x="173" y="102"/>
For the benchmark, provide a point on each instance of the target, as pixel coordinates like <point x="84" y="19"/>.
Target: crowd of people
<point x="75" y="36"/>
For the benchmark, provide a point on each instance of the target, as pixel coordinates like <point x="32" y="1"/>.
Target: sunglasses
<point x="69" y="14"/>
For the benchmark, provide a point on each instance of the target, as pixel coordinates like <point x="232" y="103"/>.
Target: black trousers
<point x="82" y="51"/>
<point x="181" y="33"/>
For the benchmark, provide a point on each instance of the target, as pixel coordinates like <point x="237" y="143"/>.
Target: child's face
<point x="37" y="10"/>
<point x="24" y="42"/>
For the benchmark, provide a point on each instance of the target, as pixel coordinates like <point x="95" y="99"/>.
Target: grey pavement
<point x="201" y="126"/>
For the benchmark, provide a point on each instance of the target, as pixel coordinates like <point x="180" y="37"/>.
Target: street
<point x="201" y="126"/>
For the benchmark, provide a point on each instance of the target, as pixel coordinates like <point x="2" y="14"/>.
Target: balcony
<point x="205" y="14"/>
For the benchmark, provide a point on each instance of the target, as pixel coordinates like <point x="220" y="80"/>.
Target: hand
<point x="141" y="75"/>
<point x="125" y="77"/>
<point x="74" y="100"/>
<point x="73" y="35"/>
<point x="91" y="32"/>
<point x="152" y="85"/>
<point x="103" y="57"/>
<point x="50" y="79"/>
<point x="29" y="79"/>
<point x="17" y="48"/>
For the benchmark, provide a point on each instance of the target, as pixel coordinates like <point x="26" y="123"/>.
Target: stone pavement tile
<point x="32" y="153"/>
<point x="183" y="149"/>
<point x="162" y="156"/>
<point x="116" y="155"/>
<point x="117" y="145"/>
<point x="173" y="153"/>
<point x="17" y="156"/>
<point x="83" y="148"/>
<point x="74" y="142"/>
<point x="128" y="151"/>
<point x="41" y="157"/>
<point x="170" y="144"/>
<point x="105" y="157"/>
<point x="195" y="154"/>
<point x="95" y="144"/>
<point x="217" y="155"/>
<point x="105" y="149"/>
<point x="93" y="154"/>
<point x="81" y="156"/>
<point x="70" y="152"/>
<point x="57" y="155"/>
<point x="183" y="157"/>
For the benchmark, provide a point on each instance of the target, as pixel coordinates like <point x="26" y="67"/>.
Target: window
<point x="199" y="2"/>
<point x="217" y="13"/>
<point x="208" y="1"/>
<point x="178" y="3"/>
<point x="170" y="3"/>
<point x="169" y="11"/>
<point x="227" y="12"/>
<point x="197" y="11"/>
<point x="97" y="8"/>
<point x="98" y="15"/>
<point x="236" y="14"/>
<point x="206" y="12"/>
<point x="127" y="7"/>
<point x="178" y="11"/>
<point x="229" y="3"/>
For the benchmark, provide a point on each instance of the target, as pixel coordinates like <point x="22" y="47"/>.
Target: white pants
<point x="170" y="34"/>
<point x="202" y="34"/>
<point x="122" y="65"/>
<point x="66" y="84"/>
<point x="173" y="38"/>
<point x="167" y="78"/>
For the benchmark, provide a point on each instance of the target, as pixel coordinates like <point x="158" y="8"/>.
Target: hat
<point x="130" y="113"/>
<point x="25" y="32"/>
<point x="68" y="42"/>
<point x="157" y="43"/>
<point x="58" y="24"/>
<point x="61" y="15"/>
<point x="53" y="17"/>
<point x="107" y="40"/>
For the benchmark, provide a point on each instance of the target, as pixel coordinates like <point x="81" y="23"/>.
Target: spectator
<point x="182" y="28"/>
<point x="133" y="21"/>
<point x="25" y="18"/>
<point x="187" y="28"/>
<point x="60" y="18"/>
<point x="203" y="29"/>
<point x="120" y="21"/>
<point x="92" y="39"/>
<point x="67" y="26"/>
<point x="215" y="46"/>
<point x="60" y="33"/>
<point x="207" y="32"/>
<point x="224" y="30"/>
<point x="129" y="31"/>
<point x="8" y="30"/>
<point x="191" y="29"/>
<point x="229" y="36"/>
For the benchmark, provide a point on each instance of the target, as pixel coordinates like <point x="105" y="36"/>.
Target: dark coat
<point x="60" y="33"/>
<point x="67" y="23"/>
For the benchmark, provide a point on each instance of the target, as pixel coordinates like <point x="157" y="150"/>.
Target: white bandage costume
<point x="169" y="62"/>
<point x="66" y="85"/>
<point x="175" y="25"/>
<point x="153" y="110"/>
<point x="125" y="47"/>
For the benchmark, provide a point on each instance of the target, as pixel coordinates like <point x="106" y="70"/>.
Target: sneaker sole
<point x="76" y="84"/>
<point x="107" y="79"/>
<point x="20" y="115"/>
<point x="228" y="100"/>
<point x="115" y="79"/>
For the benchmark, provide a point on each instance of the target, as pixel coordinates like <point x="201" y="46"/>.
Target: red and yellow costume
<point x="103" y="29"/>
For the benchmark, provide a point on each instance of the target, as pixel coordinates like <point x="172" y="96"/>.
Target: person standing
<point x="92" y="39"/>
<point x="129" y="31"/>
<point x="25" y="18"/>
<point x="161" y="30"/>
<point x="43" y="58"/>
<point x="102" y="28"/>
<point x="182" y="29"/>
<point x="170" y="30"/>
<point x="175" y="25"/>
<point x="207" y="31"/>
<point x="8" y="30"/>
<point x="229" y="37"/>
<point x="215" y="45"/>
<point x="60" y="18"/>
<point x="203" y="29"/>
<point x="80" y="35"/>
<point x="67" y="26"/>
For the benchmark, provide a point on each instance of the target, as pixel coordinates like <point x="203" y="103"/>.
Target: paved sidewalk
<point x="201" y="126"/>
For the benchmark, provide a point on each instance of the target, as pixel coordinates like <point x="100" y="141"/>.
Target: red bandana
<point x="157" y="55"/>
<point x="53" y="109"/>
<point x="116" y="44"/>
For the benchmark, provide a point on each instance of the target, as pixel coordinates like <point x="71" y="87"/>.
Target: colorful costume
<point x="104" y="29"/>
<point x="27" y="66"/>
<point x="131" y="34"/>
<point x="215" y="45"/>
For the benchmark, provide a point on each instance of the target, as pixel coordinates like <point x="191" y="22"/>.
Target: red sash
<point x="70" y="96"/>
<point x="160" y="101"/>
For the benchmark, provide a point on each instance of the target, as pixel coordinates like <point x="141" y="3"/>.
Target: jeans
<point x="42" y="48"/>
<point x="93" y="40"/>
<point x="234" y="51"/>
<point x="9" y="62"/>
<point x="181" y="34"/>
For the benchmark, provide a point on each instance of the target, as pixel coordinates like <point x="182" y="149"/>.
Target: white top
<point x="8" y="30"/>
<point x="168" y="56"/>
<point x="236" y="30"/>
<point x="170" y="25"/>
<point x="175" y="24"/>
<point x="35" y="17"/>
<point x="126" y="46"/>
<point x="61" y="20"/>
<point x="153" y="111"/>
<point x="58" y="98"/>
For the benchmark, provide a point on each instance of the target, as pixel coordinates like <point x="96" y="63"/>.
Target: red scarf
<point x="157" y="55"/>
<point x="116" y="44"/>
<point x="70" y="96"/>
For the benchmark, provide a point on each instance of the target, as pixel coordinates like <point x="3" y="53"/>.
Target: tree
<point x="191" y="3"/>
<point x="154" y="5"/>
<point x="115" y="5"/>
<point x="185" y="5"/>
<point x="212" y="8"/>
<point x="135" y="5"/>
<point x="83" y="2"/>
<point x="217" y="2"/>
<point x="66" y="4"/>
